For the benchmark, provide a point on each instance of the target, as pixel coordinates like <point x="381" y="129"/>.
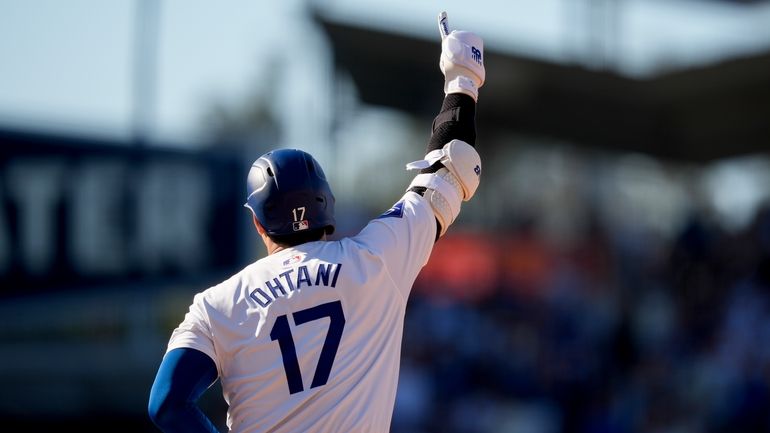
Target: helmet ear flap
<point x="259" y="176"/>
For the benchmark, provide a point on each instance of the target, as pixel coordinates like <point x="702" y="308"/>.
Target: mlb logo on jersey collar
<point x="295" y="258"/>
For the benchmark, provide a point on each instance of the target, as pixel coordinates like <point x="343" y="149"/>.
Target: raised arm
<point x="450" y="172"/>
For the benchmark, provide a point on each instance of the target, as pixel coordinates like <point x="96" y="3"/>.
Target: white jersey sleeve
<point x="403" y="236"/>
<point x="195" y="330"/>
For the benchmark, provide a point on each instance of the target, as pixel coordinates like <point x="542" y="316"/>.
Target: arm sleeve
<point x="457" y="120"/>
<point x="402" y="238"/>
<point x="183" y="376"/>
<point x="195" y="330"/>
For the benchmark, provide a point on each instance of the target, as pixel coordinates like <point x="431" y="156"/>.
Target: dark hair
<point x="298" y="238"/>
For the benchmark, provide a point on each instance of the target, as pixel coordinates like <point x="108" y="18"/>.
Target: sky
<point x="69" y="66"/>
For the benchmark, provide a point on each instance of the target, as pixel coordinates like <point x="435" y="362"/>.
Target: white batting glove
<point x="462" y="60"/>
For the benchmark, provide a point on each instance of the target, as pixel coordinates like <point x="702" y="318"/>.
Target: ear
<point x="257" y="225"/>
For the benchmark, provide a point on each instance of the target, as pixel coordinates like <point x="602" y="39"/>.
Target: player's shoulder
<point x="412" y="208"/>
<point x="411" y="213"/>
<point x="227" y="288"/>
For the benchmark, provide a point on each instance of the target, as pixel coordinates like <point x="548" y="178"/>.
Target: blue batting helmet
<point x="288" y="193"/>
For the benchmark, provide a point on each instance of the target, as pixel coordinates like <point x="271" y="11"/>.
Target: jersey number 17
<point x="282" y="332"/>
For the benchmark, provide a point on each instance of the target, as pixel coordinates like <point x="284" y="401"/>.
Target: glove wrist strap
<point x="462" y="84"/>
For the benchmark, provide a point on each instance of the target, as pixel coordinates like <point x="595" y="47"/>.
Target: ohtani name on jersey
<point x="294" y="279"/>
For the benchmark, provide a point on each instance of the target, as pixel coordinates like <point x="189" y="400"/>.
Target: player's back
<point x="286" y="339"/>
<point x="308" y="338"/>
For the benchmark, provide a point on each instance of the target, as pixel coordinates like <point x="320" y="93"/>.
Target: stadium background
<point x="611" y="275"/>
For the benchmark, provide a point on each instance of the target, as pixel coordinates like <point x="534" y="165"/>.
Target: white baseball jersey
<point x="308" y="339"/>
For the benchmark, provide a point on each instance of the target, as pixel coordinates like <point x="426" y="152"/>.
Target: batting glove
<point x="462" y="60"/>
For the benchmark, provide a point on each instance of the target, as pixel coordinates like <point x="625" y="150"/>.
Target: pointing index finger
<point x="443" y="25"/>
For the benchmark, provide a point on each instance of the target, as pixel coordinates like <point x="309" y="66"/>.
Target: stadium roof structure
<point x="698" y="114"/>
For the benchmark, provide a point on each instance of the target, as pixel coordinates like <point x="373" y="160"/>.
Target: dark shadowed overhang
<point x="698" y="114"/>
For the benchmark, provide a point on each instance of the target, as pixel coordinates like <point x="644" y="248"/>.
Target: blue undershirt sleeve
<point x="183" y="376"/>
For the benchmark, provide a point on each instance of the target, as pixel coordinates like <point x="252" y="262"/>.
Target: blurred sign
<point x="73" y="212"/>
<point x="463" y="266"/>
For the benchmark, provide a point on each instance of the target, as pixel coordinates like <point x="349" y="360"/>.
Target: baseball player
<point x="308" y="339"/>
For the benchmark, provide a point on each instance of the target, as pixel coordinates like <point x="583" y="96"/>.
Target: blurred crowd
<point x="618" y="332"/>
